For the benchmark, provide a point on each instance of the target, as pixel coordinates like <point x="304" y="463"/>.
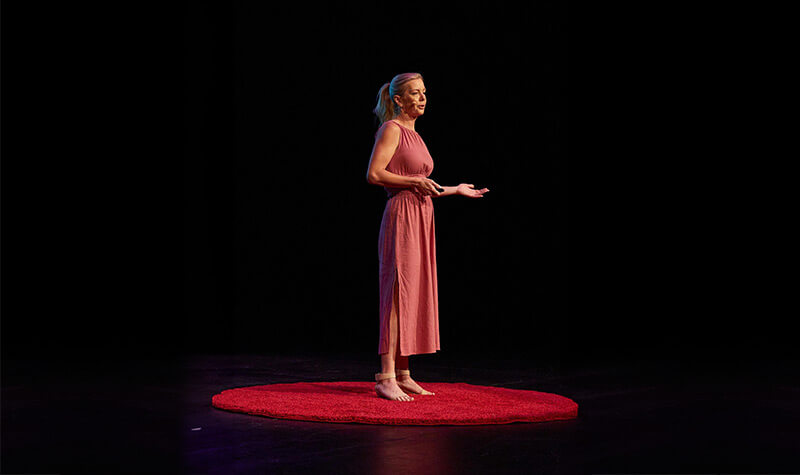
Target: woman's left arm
<point x="464" y="189"/>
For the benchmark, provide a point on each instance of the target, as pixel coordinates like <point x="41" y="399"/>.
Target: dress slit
<point x="396" y="306"/>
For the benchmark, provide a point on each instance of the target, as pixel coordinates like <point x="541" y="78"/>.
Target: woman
<point x="400" y="162"/>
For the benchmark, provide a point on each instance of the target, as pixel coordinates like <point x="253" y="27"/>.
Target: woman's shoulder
<point x="395" y="124"/>
<point x="383" y="130"/>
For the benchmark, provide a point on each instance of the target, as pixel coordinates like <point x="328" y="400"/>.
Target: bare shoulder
<point x="386" y="132"/>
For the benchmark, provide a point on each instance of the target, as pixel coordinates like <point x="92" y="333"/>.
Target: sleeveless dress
<point x="407" y="253"/>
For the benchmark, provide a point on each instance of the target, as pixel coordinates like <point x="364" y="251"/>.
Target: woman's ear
<point x="397" y="101"/>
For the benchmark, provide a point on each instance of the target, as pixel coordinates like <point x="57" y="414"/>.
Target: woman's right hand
<point x="426" y="186"/>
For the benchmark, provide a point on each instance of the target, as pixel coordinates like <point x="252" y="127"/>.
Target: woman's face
<point x="413" y="99"/>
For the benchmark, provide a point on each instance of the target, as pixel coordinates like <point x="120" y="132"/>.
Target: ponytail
<point x="385" y="108"/>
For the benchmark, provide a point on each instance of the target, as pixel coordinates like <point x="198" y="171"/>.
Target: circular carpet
<point x="356" y="401"/>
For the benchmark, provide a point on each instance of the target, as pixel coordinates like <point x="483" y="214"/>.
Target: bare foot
<point x="388" y="388"/>
<point x="409" y="385"/>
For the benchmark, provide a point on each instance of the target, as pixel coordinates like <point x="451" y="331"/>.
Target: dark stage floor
<point x="156" y="417"/>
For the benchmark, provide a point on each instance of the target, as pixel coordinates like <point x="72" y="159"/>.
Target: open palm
<point x="468" y="190"/>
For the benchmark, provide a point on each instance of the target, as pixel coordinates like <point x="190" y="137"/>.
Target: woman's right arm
<point x="385" y="145"/>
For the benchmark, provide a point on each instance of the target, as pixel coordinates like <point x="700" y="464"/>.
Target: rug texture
<point x="357" y="402"/>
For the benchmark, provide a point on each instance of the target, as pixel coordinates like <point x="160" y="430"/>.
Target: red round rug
<point x="356" y="401"/>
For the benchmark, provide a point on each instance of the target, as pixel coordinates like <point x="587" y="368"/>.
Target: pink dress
<point x="407" y="253"/>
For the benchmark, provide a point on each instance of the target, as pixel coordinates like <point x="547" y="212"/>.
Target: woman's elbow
<point x="372" y="179"/>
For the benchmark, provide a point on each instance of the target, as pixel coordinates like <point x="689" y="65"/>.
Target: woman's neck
<point x="406" y="120"/>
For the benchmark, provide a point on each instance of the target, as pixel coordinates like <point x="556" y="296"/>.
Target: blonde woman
<point x="400" y="162"/>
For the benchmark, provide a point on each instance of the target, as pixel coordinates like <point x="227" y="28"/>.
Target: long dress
<point x="407" y="253"/>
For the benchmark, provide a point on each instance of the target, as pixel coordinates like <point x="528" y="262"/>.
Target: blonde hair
<point x="385" y="110"/>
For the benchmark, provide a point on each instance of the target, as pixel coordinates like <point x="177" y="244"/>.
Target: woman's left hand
<point x="468" y="190"/>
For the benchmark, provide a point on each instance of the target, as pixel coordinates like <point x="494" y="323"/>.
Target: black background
<point x="282" y="227"/>
<point x="193" y="181"/>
